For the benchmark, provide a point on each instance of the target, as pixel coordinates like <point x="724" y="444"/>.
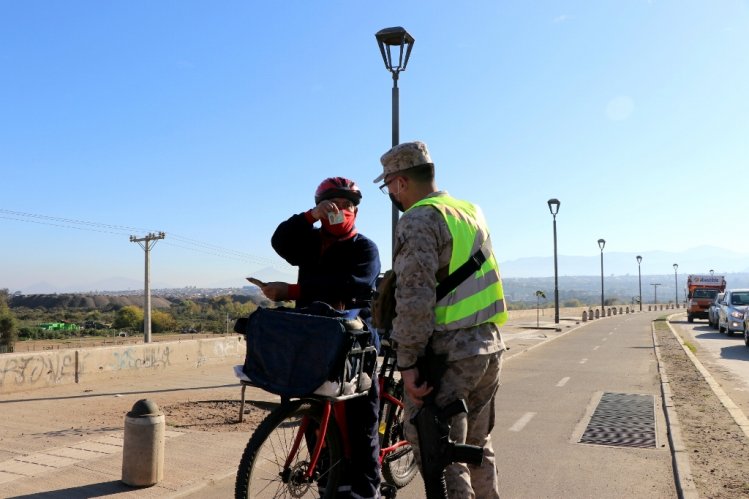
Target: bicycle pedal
<point x="388" y="491"/>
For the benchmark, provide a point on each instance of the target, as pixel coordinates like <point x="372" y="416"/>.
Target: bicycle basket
<point x="291" y="353"/>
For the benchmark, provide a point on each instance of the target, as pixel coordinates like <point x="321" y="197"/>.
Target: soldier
<point x="436" y="235"/>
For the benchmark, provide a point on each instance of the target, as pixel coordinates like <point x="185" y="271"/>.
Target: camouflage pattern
<point x="475" y="380"/>
<point x="423" y="249"/>
<point x="402" y="157"/>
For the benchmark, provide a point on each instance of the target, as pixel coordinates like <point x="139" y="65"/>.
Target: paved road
<point x="546" y="400"/>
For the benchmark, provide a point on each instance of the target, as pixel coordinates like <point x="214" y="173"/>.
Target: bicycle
<point x="278" y="460"/>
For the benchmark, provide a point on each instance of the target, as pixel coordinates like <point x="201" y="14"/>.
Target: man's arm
<point x="416" y="264"/>
<point x="294" y="238"/>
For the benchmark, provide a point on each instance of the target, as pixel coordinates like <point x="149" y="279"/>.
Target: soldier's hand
<point x="323" y="208"/>
<point x="276" y="291"/>
<point x="415" y="392"/>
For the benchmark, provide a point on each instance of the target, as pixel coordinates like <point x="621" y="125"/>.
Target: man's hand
<point x="323" y="208"/>
<point x="414" y="391"/>
<point x="276" y="291"/>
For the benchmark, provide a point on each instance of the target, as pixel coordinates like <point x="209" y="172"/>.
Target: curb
<point x="685" y="486"/>
<point x="736" y="413"/>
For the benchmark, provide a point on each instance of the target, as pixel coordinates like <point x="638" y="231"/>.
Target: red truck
<point x="701" y="291"/>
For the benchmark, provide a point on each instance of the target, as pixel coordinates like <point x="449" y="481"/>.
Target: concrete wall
<point x="30" y="370"/>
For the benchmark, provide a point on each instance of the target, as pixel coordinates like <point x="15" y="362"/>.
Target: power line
<point x="187" y="243"/>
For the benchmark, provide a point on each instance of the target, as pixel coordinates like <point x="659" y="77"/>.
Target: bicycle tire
<point x="398" y="467"/>
<point x="261" y="470"/>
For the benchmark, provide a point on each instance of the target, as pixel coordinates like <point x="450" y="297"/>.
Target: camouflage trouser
<point x="475" y="380"/>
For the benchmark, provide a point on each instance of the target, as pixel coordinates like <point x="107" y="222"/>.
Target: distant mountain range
<point x="654" y="263"/>
<point x="693" y="261"/>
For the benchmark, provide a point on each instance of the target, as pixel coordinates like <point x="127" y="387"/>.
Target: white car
<point x="732" y="310"/>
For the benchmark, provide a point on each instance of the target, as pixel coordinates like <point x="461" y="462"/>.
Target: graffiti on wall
<point x="142" y="358"/>
<point x="37" y="368"/>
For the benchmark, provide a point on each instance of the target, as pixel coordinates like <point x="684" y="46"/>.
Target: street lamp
<point x="639" y="278"/>
<point x="390" y="39"/>
<point x="601" y="244"/>
<point x="676" y="286"/>
<point x="554" y="209"/>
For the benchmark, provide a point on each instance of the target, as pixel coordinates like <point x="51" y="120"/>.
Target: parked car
<point x="713" y="311"/>
<point x="732" y="311"/>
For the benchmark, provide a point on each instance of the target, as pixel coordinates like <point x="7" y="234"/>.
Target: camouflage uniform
<point x="422" y="252"/>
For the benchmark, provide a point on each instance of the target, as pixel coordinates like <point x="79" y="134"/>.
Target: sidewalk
<point x="66" y="441"/>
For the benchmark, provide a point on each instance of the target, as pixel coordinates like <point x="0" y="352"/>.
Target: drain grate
<point x="622" y="420"/>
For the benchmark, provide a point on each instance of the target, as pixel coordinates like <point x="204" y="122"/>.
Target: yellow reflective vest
<point x="479" y="298"/>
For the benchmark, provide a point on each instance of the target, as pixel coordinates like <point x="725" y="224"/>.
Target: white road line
<point x="563" y="381"/>
<point x="610" y="333"/>
<point x="584" y="361"/>
<point x="596" y="347"/>
<point x="604" y="339"/>
<point x="524" y="420"/>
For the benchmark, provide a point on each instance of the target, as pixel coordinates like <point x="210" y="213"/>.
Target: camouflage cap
<point x="402" y="157"/>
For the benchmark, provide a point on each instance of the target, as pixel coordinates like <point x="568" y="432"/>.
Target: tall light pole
<point x="554" y="209"/>
<point x="639" y="278"/>
<point x="147" y="243"/>
<point x="387" y="39"/>
<point x="601" y="244"/>
<point x="655" y="291"/>
<point x="676" y="286"/>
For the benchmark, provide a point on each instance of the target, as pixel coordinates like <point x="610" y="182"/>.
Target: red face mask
<point x="345" y="228"/>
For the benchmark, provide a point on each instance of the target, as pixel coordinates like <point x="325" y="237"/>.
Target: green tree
<point x="129" y="317"/>
<point x="8" y="325"/>
<point x="162" y="322"/>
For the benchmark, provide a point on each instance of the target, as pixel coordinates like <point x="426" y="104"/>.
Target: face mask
<point x="396" y="203"/>
<point x="343" y="228"/>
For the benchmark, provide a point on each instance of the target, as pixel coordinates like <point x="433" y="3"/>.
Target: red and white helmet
<point x="338" y="187"/>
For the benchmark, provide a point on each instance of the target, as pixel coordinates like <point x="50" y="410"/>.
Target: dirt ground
<point x="718" y="449"/>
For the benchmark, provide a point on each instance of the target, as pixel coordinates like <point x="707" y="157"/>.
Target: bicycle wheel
<point x="262" y="472"/>
<point x="398" y="467"/>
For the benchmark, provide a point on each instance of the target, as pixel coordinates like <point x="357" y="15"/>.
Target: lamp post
<point x="639" y="278"/>
<point x="601" y="244"/>
<point x="387" y="39"/>
<point x="554" y="209"/>
<point x="676" y="286"/>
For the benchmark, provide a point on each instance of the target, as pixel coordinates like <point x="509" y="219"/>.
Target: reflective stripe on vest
<point x="479" y="298"/>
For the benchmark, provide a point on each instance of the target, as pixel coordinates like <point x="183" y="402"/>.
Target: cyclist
<point x="337" y="265"/>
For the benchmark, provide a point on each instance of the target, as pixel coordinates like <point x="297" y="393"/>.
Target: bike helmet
<point x="338" y="187"/>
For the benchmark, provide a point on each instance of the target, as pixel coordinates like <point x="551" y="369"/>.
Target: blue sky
<point x="214" y="121"/>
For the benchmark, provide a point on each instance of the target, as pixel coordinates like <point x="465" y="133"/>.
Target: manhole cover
<point x="623" y="420"/>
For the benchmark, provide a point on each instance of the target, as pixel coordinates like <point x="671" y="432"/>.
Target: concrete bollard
<point x="614" y="310"/>
<point x="585" y="316"/>
<point x="143" y="447"/>
<point x="597" y="312"/>
<point x="590" y="314"/>
<point x="648" y="308"/>
<point x="608" y="312"/>
<point x="627" y="309"/>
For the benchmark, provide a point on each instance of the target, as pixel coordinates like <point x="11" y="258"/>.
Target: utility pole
<point x="655" y="291"/>
<point x="147" y="243"/>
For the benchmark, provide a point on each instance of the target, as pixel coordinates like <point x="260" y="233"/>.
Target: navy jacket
<point x="344" y="272"/>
